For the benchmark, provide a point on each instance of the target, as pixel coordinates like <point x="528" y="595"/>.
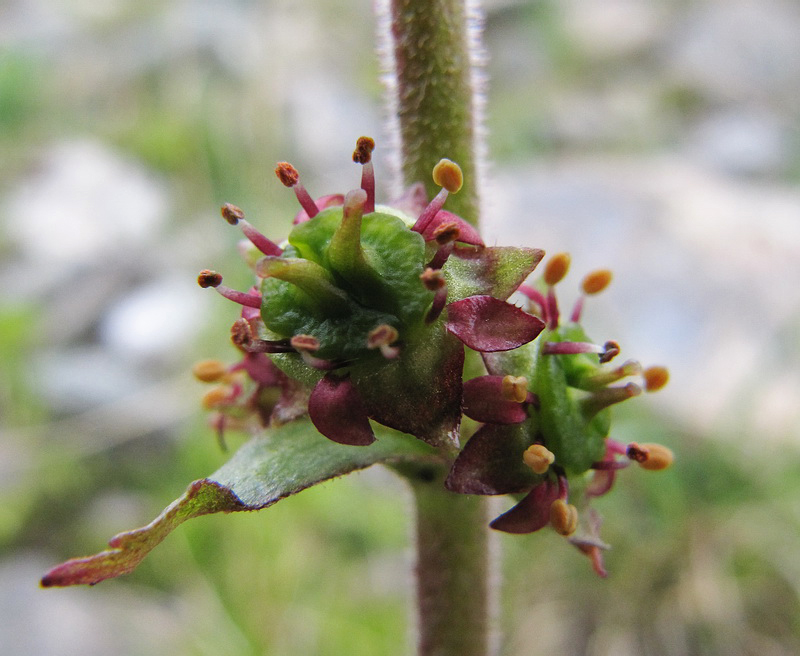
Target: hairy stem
<point x="452" y="568"/>
<point x="432" y="47"/>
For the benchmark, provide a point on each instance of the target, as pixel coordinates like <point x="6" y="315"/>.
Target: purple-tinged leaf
<point x="493" y="270"/>
<point x="484" y="402"/>
<point x="128" y="549"/>
<point x="485" y="323"/>
<point x="467" y="232"/>
<point x="530" y="514"/>
<point x="491" y="462"/>
<point x="337" y="411"/>
<point x="289" y="459"/>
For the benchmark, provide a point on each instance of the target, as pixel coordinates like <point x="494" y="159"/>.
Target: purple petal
<point x="491" y="462"/>
<point x="485" y="323"/>
<point x="337" y="411"/>
<point x="484" y="402"/>
<point x="468" y="233"/>
<point x="530" y="514"/>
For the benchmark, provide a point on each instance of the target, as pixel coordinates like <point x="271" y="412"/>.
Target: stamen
<point x="305" y="345"/>
<point x="655" y="378"/>
<point x="235" y="216"/>
<point x="231" y="213"/>
<point x="242" y="336"/>
<point x="563" y="517"/>
<point x="434" y="281"/>
<point x="538" y="458"/>
<point x="596" y="281"/>
<point x="611" y="350"/>
<point x="447" y="233"/>
<point x="557" y="267"/>
<point x="448" y="175"/>
<point x="593" y="283"/>
<point x="653" y="457"/>
<point x="289" y="177"/>
<point x="363" y="155"/>
<point x="382" y="337"/>
<point x="216" y="397"/>
<point x="209" y="371"/>
<point x="514" y="388"/>
<point x="208" y="278"/>
<point x="441" y="256"/>
<point x="570" y="348"/>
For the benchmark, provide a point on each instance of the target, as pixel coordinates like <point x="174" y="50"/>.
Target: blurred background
<point x="658" y="138"/>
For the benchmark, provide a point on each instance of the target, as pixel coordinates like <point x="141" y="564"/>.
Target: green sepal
<point x="285" y="461"/>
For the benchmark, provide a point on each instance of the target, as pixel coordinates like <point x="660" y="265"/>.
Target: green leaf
<point x="287" y="460"/>
<point x="493" y="270"/>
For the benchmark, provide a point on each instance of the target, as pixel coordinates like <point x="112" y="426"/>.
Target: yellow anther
<point x="563" y="517"/>
<point x="209" y="371"/>
<point x="655" y="378"/>
<point x="514" y="388"/>
<point x="448" y="174"/>
<point x="216" y="397"/>
<point x="556" y="269"/>
<point x="596" y="281"/>
<point x="538" y="458"/>
<point x="658" y="457"/>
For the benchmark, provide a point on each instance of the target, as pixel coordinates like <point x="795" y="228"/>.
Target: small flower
<point x="370" y="308"/>
<point x="545" y="409"/>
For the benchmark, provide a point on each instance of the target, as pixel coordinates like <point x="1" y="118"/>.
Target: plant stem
<point x="436" y="102"/>
<point x="431" y="46"/>
<point x="452" y="569"/>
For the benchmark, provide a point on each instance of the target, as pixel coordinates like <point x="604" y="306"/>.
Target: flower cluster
<point x="364" y="313"/>
<point x="546" y="413"/>
<point x="368" y="307"/>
